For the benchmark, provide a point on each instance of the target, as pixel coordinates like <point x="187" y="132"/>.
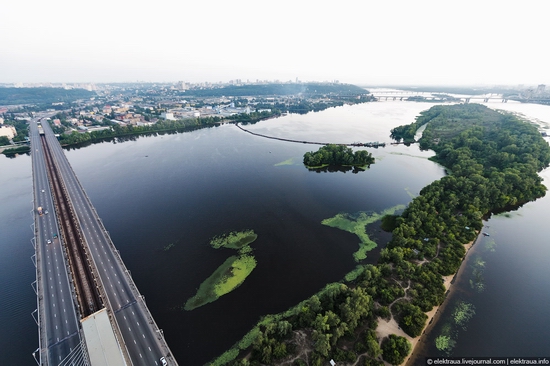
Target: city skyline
<point x="399" y="43"/>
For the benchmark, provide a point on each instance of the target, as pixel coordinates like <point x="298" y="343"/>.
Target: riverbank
<point x="385" y="328"/>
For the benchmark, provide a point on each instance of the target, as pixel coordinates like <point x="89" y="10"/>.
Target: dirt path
<point x="385" y="328"/>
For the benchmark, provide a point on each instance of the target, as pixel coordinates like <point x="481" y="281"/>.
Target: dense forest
<point x="493" y="160"/>
<point x="305" y="89"/>
<point x="10" y="96"/>
<point x="337" y="155"/>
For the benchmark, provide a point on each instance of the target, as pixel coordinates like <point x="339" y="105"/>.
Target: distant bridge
<point x="403" y="96"/>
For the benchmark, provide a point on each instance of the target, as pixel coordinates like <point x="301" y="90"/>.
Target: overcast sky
<point x="362" y="42"/>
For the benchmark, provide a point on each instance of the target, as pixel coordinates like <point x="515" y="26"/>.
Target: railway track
<point x="87" y="292"/>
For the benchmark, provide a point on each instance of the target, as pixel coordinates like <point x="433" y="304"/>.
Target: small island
<point x="337" y="156"/>
<point x="232" y="273"/>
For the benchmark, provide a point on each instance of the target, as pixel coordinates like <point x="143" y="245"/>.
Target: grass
<point x="357" y="225"/>
<point x="225" y="279"/>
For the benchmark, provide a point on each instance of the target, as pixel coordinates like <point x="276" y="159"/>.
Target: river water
<point x="183" y="189"/>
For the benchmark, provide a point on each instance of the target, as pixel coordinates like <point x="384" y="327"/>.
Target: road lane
<point x="58" y="317"/>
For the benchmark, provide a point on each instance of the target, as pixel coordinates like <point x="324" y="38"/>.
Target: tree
<point x="395" y="349"/>
<point x="337" y="155"/>
<point x="321" y="342"/>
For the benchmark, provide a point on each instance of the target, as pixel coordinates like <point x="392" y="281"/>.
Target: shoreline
<point x="385" y="328"/>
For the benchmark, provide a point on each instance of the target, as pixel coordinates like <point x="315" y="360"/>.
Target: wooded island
<point x="337" y="155"/>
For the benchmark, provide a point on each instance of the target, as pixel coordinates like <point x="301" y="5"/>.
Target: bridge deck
<point x="134" y="327"/>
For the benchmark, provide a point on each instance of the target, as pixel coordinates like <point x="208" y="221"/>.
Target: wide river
<point x="178" y="191"/>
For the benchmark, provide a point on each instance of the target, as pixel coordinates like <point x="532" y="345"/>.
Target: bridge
<point x="404" y="95"/>
<point x="89" y="310"/>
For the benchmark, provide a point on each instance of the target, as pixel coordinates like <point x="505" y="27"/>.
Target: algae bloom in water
<point x="231" y="274"/>
<point x="234" y="240"/>
<point x="356" y="224"/>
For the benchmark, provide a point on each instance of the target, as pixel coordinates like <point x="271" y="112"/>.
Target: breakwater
<point x="365" y="144"/>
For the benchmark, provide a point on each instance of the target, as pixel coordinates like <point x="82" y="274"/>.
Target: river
<point x="183" y="189"/>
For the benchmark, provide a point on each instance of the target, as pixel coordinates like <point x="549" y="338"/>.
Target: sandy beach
<point x="385" y="328"/>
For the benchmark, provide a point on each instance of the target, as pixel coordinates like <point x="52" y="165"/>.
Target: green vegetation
<point x="232" y="273"/>
<point x="494" y="159"/>
<point x="357" y="225"/>
<point x="476" y="280"/>
<point x="21" y="127"/>
<point x="460" y="316"/>
<point x="407" y="132"/>
<point x="234" y="240"/>
<point x="41" y="95"/>
<point x="444" y="343"/>
<point x="411" y="318"/>
<point x="389" y="222"/>
<point x="306" y="89"/>
<point x="163" y="126"/>
<point x="4" y="140"/>
<point x="17" y="150"/>
<point x="395" y="349"/>
<point x="240" y="268"/>
<point x="337" y="155"/>
<point x="225" y="279"/>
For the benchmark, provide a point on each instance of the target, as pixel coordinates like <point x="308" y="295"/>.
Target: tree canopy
<point x="337" y="155"/>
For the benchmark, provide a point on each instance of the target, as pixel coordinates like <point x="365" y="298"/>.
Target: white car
<point x="49" y="241"/>
<point x="163" y="360"/>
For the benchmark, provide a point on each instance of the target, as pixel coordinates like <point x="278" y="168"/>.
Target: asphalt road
<point x="57" y="306"/>
<point x="144" y="343"/>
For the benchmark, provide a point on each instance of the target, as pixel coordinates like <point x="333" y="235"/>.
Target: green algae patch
<point x="230" y="275"/>
<point x="234" y="240"/>
<point x="356" y="224"/>
<point x="241" y="267"/>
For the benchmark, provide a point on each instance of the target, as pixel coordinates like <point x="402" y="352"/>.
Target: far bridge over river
<point x="404" y="95"/>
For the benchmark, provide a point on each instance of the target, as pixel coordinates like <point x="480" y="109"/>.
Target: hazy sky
<point x="363" y="42"/>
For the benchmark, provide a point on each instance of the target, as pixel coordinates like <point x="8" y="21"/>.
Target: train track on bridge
<point x="87" y="292"/>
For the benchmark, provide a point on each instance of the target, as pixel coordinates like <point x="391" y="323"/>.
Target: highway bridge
<point x="89" y="310"/>
<point x="404" y="95"/>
